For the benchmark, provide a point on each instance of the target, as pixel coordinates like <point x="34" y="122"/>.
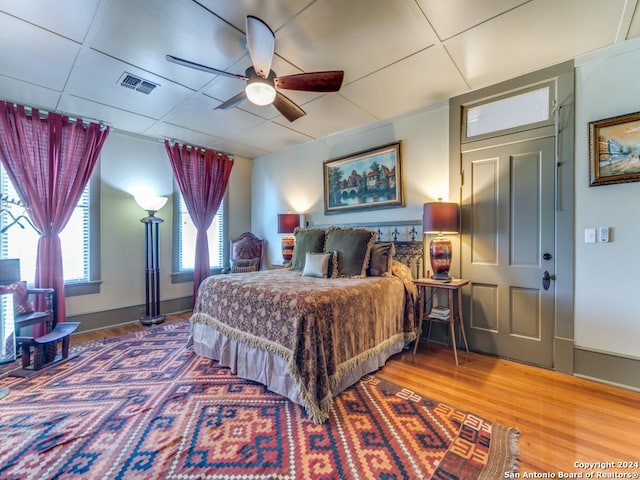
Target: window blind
<point x="215" y="234"/>
<point x="20" y="240"/>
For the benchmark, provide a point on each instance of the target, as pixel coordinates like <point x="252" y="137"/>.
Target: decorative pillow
<point x="317" y="265"/>
<point x="353" y="249"/>
<point x="307" y="240"/>
<point x="243" y="265"/>
<point x="381" y="258"/>
<point x="21" y="303"/>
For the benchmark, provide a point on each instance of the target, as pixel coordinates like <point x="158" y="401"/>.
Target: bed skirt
<point x="272" y="370"/>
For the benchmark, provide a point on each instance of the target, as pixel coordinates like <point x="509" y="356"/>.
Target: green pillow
<point x="307" y="240"/>
<point x="353" y="248"/>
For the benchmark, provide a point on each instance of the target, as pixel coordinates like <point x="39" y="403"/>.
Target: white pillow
<point x="316" y="265"/>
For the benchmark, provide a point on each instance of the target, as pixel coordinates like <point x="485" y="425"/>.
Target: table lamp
<point x="287" y="223"/>
<point x="440" y="218"/>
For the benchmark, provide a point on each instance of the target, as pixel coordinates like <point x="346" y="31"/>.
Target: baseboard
<point x="607" y="367"/>
<point x="563" y="357"/>
<point x="121" y="316"/>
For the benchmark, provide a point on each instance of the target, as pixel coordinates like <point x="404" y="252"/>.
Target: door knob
<point x="547" y="256"/>
<point x="546" y="280"/>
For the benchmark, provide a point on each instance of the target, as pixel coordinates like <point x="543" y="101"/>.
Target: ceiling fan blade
<point x="261" y="42"/>
<point x="232" y="102"/>
<point x="329" y="81"/>
<point x="287" y="107"/>
<point x="203" y="68"/>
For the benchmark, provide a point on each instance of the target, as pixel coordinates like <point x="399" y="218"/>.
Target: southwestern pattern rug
<point x="145" y="406"/>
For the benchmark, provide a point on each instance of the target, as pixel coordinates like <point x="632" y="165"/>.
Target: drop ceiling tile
<point x="328" y="114"/>
<point x="455" y="16"/>
<point x="246" y="151"/>
<point x="275" y="14"/>
<point x="162" y="130"/>
<point x="424" y="78"/>
<point x="540" y="34"/>
<point x="271" y="137"/>
<point x="115" y="117"/>
<point x="239" y="149"/>
<point x="183" y="29"/>
<point x="27" y="94"/>
<point x="358" y="36"/>
<point x="47" y="14"/>
<point x="96" y="77"/>
<point x="198" y="113"/>
<point x="45" y="59"/>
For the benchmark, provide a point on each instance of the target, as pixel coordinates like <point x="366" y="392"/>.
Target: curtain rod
<point x="172" y="142"/>
<point x="43" y="114"/>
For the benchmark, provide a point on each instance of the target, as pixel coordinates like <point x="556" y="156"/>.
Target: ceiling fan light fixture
<point x="260" y="93"/>
<point x="262" y="82"/>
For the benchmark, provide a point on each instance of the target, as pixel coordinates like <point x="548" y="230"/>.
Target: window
<point x="531" y="108"/>
<point x="79" y="239"/>
<point x="185" y="233"/>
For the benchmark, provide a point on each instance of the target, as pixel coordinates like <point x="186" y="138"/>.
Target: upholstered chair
<point x="246" y="253"/>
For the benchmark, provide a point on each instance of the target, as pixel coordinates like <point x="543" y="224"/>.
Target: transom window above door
<point x="523" y="110"/>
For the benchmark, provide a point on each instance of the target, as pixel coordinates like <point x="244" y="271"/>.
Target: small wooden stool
<point x="60" y="332"/>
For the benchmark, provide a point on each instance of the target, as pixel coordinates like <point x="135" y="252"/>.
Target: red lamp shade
<point x="287" y="223"/>
<point x="440" y="218"/>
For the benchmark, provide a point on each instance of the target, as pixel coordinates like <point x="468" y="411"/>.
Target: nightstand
<point x="438" y="313"/>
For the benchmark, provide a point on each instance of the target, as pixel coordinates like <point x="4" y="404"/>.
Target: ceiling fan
<point x="262" y="82"/>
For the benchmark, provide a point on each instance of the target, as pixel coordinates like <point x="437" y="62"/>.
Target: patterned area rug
<point x="145" y="406"/>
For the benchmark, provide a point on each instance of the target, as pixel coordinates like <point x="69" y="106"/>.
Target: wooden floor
<point x="562" y="419"/>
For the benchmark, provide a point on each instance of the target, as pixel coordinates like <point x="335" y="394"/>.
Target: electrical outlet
<point x="603" y="234"/>
<point x="589" y="235"/>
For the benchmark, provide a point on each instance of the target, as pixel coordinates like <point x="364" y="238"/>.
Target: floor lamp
<point x="151" y="223"/>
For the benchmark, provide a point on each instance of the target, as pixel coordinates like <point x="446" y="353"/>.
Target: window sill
<point x="82" y="288"/>
<point x="187" y="275"/>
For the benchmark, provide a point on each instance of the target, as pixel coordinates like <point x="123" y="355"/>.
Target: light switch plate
<point x="603" y="234"/>
<point x="589" y="235"/>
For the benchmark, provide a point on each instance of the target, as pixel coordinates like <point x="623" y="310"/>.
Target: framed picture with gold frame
<point x="614" y="150"/>
<point x="366" y="180"/>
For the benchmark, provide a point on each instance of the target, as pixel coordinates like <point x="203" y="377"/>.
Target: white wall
<point x="607" y="310"/>
<point x="293" y="180"/>
<point x="129" y="163"/>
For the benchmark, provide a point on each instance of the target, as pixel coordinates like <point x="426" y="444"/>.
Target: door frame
<point x="563" y="77"/>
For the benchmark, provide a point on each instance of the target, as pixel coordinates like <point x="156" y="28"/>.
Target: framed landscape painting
<point x="364" y="181"/>
<point x="614" y="148"/>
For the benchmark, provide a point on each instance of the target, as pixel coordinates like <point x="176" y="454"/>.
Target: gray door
<point x="508" y="205"/>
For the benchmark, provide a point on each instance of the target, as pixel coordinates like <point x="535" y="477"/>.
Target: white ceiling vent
<point x="136" y="83"/>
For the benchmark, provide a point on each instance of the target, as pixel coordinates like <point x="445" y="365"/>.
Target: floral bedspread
<point x="322" y="328"/>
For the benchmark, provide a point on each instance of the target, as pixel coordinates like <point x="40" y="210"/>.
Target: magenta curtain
<point x="202" y="177"/>
<point x="49" y="161"/>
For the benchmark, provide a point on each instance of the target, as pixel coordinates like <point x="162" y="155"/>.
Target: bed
<point x="312" y="330"/>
